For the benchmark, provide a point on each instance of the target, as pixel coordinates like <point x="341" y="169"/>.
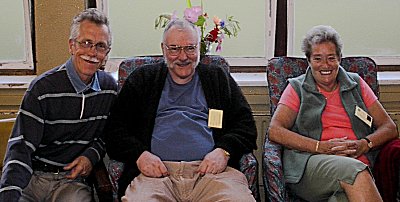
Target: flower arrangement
<point x="194" y="14"/>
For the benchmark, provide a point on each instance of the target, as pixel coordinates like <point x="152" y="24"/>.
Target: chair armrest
<point x="249" y="167"/>
<point x="100" y="181"/>
<point x="115" y="169"/>
<point x="274" y="181"/>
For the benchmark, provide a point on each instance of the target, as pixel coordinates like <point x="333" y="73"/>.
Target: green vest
<point x="308" y="122"/>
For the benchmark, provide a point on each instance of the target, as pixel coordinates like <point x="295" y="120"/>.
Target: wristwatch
<point x="370" y="145"/>
<point x="227" y="154"/>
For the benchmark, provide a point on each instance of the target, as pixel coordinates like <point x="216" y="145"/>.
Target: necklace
<point x="328" y="94"/>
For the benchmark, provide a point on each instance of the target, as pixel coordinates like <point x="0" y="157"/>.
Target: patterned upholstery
<point x="279" y="69"/>
<point x="248" y="163"/>
<point x="127" y="66"/>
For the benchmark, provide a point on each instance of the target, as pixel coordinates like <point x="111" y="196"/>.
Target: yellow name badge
<point x="215" y="118"/>
<point x="364" y="116"/>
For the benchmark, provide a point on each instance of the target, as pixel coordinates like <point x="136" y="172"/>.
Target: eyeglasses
<point x="100" y="47"/>
<point x="175" y="50"/>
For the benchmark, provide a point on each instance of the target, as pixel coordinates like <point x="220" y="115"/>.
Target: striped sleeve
<point x="25" y="137"/>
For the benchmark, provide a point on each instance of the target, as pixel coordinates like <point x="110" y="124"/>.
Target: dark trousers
<point x="387" y="170"/>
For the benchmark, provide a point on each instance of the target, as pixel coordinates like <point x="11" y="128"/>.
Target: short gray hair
<point x="182" y="24"/>
<point x="92" y="15"/>
<point x="320" y="34"/>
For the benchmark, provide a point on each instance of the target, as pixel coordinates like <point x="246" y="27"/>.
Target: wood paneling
<point x="5" y="130"/>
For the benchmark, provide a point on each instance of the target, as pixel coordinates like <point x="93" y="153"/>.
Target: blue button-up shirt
<point x="76" y="81"/>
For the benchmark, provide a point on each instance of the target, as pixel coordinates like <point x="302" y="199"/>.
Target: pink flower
<point x="216" y="20"/>
<point x="192" y="14"/>
<point x="199" y="18"/>
<point x="173" y="16"/>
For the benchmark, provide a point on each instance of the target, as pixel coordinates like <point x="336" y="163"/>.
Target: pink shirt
<point x="335" y="121"/>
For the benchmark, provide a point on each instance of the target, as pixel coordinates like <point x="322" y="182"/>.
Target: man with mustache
<point x="56" y="139"/>
<point x="160" y="127"/>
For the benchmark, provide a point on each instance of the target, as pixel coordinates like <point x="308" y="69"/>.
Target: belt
<point x="45" y="167"/>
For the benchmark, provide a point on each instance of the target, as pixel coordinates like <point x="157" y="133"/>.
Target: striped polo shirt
<point x="60" y="118"/>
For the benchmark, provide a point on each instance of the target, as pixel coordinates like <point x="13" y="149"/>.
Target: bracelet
<point x="369" y="142"/>
<point x="316" y="146"/>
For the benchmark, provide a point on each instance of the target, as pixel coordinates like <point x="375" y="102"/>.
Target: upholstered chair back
<point x="128" y="65"/>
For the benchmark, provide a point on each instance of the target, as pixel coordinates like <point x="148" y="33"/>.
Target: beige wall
<point x="52" y="21"/>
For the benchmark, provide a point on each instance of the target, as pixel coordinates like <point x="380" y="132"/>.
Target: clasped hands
<point x="343" y="147"/>
<point x="151" y="165"/>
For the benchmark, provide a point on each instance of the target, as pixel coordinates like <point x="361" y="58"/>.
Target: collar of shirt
<point x="78" y="84"/>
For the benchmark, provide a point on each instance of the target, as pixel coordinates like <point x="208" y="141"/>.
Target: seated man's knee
<point x="73" y="192"/>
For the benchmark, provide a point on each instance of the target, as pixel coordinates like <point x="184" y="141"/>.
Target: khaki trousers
<point x="185" y="184"/>
<point x="55" y="188"/>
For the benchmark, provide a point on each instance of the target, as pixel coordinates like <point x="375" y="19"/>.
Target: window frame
<point x="27" y="62"/>
<point x="270" y="22"/>
<point x="379" y="60"/>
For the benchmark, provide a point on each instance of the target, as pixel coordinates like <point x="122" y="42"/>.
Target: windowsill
<point x="250" y="79"/>
<point x="15" y="82"/>
<point x="388" y="78"/>
<point x="243" y="79"/>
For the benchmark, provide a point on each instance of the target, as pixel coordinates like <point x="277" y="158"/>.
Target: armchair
<point x="279" y="69"/>
<point x="248" y="163"/>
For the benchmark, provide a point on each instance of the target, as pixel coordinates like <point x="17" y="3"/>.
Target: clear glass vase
<point x="205" y="47"/>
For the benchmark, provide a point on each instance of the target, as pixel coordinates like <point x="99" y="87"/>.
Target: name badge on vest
<point x="364" y="116"/>
<point x="215" y="118"/>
